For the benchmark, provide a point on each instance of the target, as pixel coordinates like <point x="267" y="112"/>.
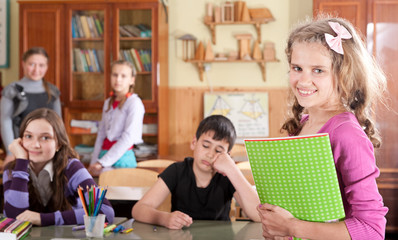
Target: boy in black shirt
<point x="201" y="187"/>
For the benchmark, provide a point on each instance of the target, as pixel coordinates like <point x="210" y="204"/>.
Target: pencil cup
<point x="94" y="225"/>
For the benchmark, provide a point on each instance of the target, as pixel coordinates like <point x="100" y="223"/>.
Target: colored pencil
<point x="82" y="199"/>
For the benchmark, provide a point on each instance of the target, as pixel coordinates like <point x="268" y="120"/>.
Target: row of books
<point x="90" y="26"/>
<point x="139" y="30"/>
<point x="88" y="60"/>
<point x="84" y="126"/>
<point x="14" y="229"/>
<point x="141" y="59"/>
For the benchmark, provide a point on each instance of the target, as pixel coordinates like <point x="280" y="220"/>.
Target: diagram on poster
<point x="248" y="111"/>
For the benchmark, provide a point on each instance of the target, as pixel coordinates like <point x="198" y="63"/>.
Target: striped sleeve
<point x="77" y="175"/>
<point x="16" y="195"/>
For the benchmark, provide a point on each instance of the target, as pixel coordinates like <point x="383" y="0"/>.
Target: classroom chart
<point x="248" y="111"/>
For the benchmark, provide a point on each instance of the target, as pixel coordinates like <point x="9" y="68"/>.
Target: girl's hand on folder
<point x="178" y="220"/>
<point x="275" y="220"/>
<point x="30" y="216"/>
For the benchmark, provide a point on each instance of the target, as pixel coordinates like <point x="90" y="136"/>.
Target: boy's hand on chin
<point x="223" y="163"/>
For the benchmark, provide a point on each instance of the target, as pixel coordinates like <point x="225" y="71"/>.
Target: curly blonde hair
<point x="360" y="80"/>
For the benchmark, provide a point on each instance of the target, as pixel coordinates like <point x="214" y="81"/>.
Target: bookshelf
<point x="83" y="38"/>
<point x="241" y="13"/>
<point x="255" y="23"/>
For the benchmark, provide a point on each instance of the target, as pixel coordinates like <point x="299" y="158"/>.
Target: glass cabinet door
<point x="136" y="35"/>
<point x="88" y="54"/>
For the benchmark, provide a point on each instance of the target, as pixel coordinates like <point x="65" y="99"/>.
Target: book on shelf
<point x="145" y="30"/>
<point x="139" y="30"/>
<point x="92" y="27"/>
<point x="98" y="23"/>
<point x="84" y="126"/>
<point x="75" y="34"/>
<point x="298" y="174"/>
<point x="88" y="61"/>
<point x="86" y="29"/>
<point x="77" y="62"/>
<point x="137" y="59"/>
<point x="84" y="60"/>
<point x="79" y="26"/>
<point x="13" y="229"/>
<point x="136" y="65"/>
<point x="100" y="58"/>
<point x="145" y="59"/>
<point x="126" y="55"/>
<point x="133" y="30"/>
<point x="92" y="60"/>
<point x="96" y="61"/>
<point x="87" y="26"/>
<point x="124" y="33"/>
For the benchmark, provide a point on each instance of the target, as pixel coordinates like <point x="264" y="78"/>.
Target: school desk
<point x="217" y="230"/>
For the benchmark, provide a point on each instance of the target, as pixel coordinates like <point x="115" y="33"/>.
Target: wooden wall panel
<point x="383" y="41"/>
<point x="42" y="27"/>
<point x="379" y="20"/>
<point x="163" y="88"/>
<point x="186" y="112"/>
<point x="353" y="10"/>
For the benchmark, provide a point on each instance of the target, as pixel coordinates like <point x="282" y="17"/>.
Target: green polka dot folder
<point x="297" y="174"/>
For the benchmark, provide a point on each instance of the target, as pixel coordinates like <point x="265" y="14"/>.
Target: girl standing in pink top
<point x="334" y="81"/>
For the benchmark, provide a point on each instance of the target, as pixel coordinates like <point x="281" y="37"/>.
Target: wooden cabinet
<point x="377" y="20"/>
<point x="51" y="24"/>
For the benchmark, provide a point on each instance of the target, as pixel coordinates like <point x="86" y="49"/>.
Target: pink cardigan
<point x="357" y="172"/>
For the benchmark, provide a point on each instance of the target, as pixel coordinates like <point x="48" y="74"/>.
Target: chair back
<point x="128" y="177"/>
<point x="133" y="177"/>
<point x="246" y="170"/>
<point x="157" y="165"/>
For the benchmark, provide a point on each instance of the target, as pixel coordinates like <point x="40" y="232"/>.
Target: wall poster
<point x="248" y="111"/>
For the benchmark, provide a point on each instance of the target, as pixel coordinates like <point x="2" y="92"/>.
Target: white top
<point x="121" y="125"/>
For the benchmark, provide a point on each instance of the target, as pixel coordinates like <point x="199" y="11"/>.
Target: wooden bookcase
<point x="49" y="24"/>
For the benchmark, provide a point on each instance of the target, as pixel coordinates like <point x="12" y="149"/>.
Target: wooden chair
<point x="238" y="153"/>
<point x="157" y="165"/>
<point x="132" y="177"/>
<point x="246" y="170"/>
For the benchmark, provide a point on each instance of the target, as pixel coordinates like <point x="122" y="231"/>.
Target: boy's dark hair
<point x="221" y="126"/>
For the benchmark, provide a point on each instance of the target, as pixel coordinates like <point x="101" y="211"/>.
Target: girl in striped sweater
<point x="41" y="185"/>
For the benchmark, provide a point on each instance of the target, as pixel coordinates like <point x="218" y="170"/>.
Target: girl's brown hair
<point x="131" y="89"/>
<point x="39" y="51"/>
<point x="58" y="202"/>
<point x="360" y="80"/>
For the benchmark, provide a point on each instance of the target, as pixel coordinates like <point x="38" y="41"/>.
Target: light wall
<point x="187" y="17"/>
<point x="11" y="73"/>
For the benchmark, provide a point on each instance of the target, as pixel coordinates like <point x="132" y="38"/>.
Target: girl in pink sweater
<point x="334" y="81"/>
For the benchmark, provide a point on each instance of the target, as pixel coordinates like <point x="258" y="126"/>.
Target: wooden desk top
<point x="200" y="229"/>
